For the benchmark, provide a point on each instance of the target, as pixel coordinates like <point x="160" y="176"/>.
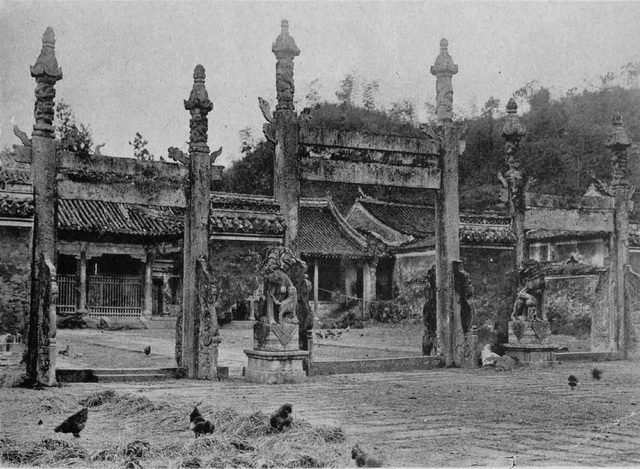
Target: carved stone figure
<point x="199" y="106"/>
<point x="464" y="289"/>
<point x="429" y="316"/>
<point x="47" y="73"/>
<point x="444" y="69"/>
<point x="285" y="50"/>
<point x="286" y="294"/>
<point x="528" y="304"/>
<point x="209" y="333"/>
<point x="47" y="353"/>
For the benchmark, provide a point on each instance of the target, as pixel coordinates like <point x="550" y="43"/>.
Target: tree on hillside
<point x="369" y="95"/>
<point x="253" y="173"/>
<point x="71" y="135"/>
<point x="347" y="90"/>
<point x="140" y="151"/>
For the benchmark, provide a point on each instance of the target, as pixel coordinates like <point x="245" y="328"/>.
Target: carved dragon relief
<point x="269" y="129"/>
<point x="22" y="152"/>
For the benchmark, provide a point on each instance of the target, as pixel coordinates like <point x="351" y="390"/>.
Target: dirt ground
<point x="118" y="348"/>
<point x="445" y="417"/>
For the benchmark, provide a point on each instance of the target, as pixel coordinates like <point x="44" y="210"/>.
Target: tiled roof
<point x="323" y="231"/>
<point x="418" y="221"/>
<point x="415" y="220"/>
<point x="96" y="216"/>
<point x="230" y="214"/>
<point x="245" y="214"/>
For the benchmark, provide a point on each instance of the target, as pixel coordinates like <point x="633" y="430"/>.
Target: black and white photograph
<point x="319" y="233"/>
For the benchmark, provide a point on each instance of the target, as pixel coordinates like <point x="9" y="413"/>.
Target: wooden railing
<point x="67" y="294"/>
<point x="119" y="296"/>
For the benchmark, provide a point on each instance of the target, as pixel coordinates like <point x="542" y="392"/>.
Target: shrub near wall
<point x="15" y="265"/>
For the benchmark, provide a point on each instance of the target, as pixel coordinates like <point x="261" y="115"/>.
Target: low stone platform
<point x="270" y="367"/>
<point x="532" y="354"/>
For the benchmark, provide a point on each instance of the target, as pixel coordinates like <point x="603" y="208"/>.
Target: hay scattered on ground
<point x="48" y="452"/>
<point x="163" y="439"/>
<point x="98" y="398"/>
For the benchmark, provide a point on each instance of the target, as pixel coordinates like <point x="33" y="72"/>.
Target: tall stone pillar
<point x="450" y="333"/>
<point x="618" y="142"/>
<point x="286" y="181"/>
<point x="41" y="361"/>
<point x="148" y="283"/>
<point x="512" y="132"/>
<point x="82" y="281"/>
<point x="316" y="283"/>
<point x="200" y="335"/>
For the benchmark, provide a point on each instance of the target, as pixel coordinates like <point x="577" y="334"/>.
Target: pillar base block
<point x="269" y="367"/>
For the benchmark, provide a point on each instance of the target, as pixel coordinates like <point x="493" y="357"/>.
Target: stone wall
<point x="15" y="259"/>
<point x="492" y="278"/>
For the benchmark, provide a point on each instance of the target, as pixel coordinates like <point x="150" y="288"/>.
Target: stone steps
<point x="112" y="375"/>
<point x="122" y="375"/>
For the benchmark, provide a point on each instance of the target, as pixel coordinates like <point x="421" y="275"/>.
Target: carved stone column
<point x="199" y="316"/>
<point x="148" y="283"/>
<point x="512" y="132"/>
<point x="41" y="362"/>
<point x="450" y="334"/>
<point x="82" y="282"/>
<point x="316" y="283"/>
<point x="618" y="142"/>
<point x="286" y="182"/>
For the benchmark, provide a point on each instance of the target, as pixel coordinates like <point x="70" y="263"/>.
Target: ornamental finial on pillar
<point x="47" y="73"/>
<point x="512" y="131"/>
<point x="443" y="70"/>
<point x="199" y="106"/>
<point x="618" y="139"/>
<point x="618" y="142"/>
<point x="285" y="50"/>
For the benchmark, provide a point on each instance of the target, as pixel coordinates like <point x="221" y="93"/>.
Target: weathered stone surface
<point x="266" y="367"/>
<point x="317" y="136"/>
<point x="532" y="354"/>
<point x="15" y="258"/>
<point x="321" y="169"/>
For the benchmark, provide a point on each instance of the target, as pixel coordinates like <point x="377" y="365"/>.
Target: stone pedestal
<point x="275" y="358"/>
<point x="268" y="367"/>
<point x="532" y="354"/>
<point x="529" y="332"/>
<point x="528" y="343"/>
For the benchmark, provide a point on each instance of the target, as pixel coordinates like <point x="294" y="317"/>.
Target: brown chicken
<point x="363" y="459"/>
<point x="74" y="424"/>
<point x="199" y="425"/>
<point x="147" y="350"/>
<point x="282" y="418"/>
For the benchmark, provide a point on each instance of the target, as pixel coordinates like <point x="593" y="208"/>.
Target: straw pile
<point x="129" y="430"/>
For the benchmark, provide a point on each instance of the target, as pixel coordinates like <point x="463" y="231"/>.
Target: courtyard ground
<point x="444" y="417"/>
<point x="119" y="348"/>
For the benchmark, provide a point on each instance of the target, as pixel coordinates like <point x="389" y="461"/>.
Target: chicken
<point x="199" y="425"/>
<point x="74" y="424"/>
<point x="147" y="350"/>
<point x="282" y="417"/>
<point x="596" y="373"/>
<point x="363" y="459"/>
<point x="573" y="381"/>
<point x="65" y="351"/>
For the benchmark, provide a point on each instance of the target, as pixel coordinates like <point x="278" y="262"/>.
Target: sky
<point x="128" y="65"/>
